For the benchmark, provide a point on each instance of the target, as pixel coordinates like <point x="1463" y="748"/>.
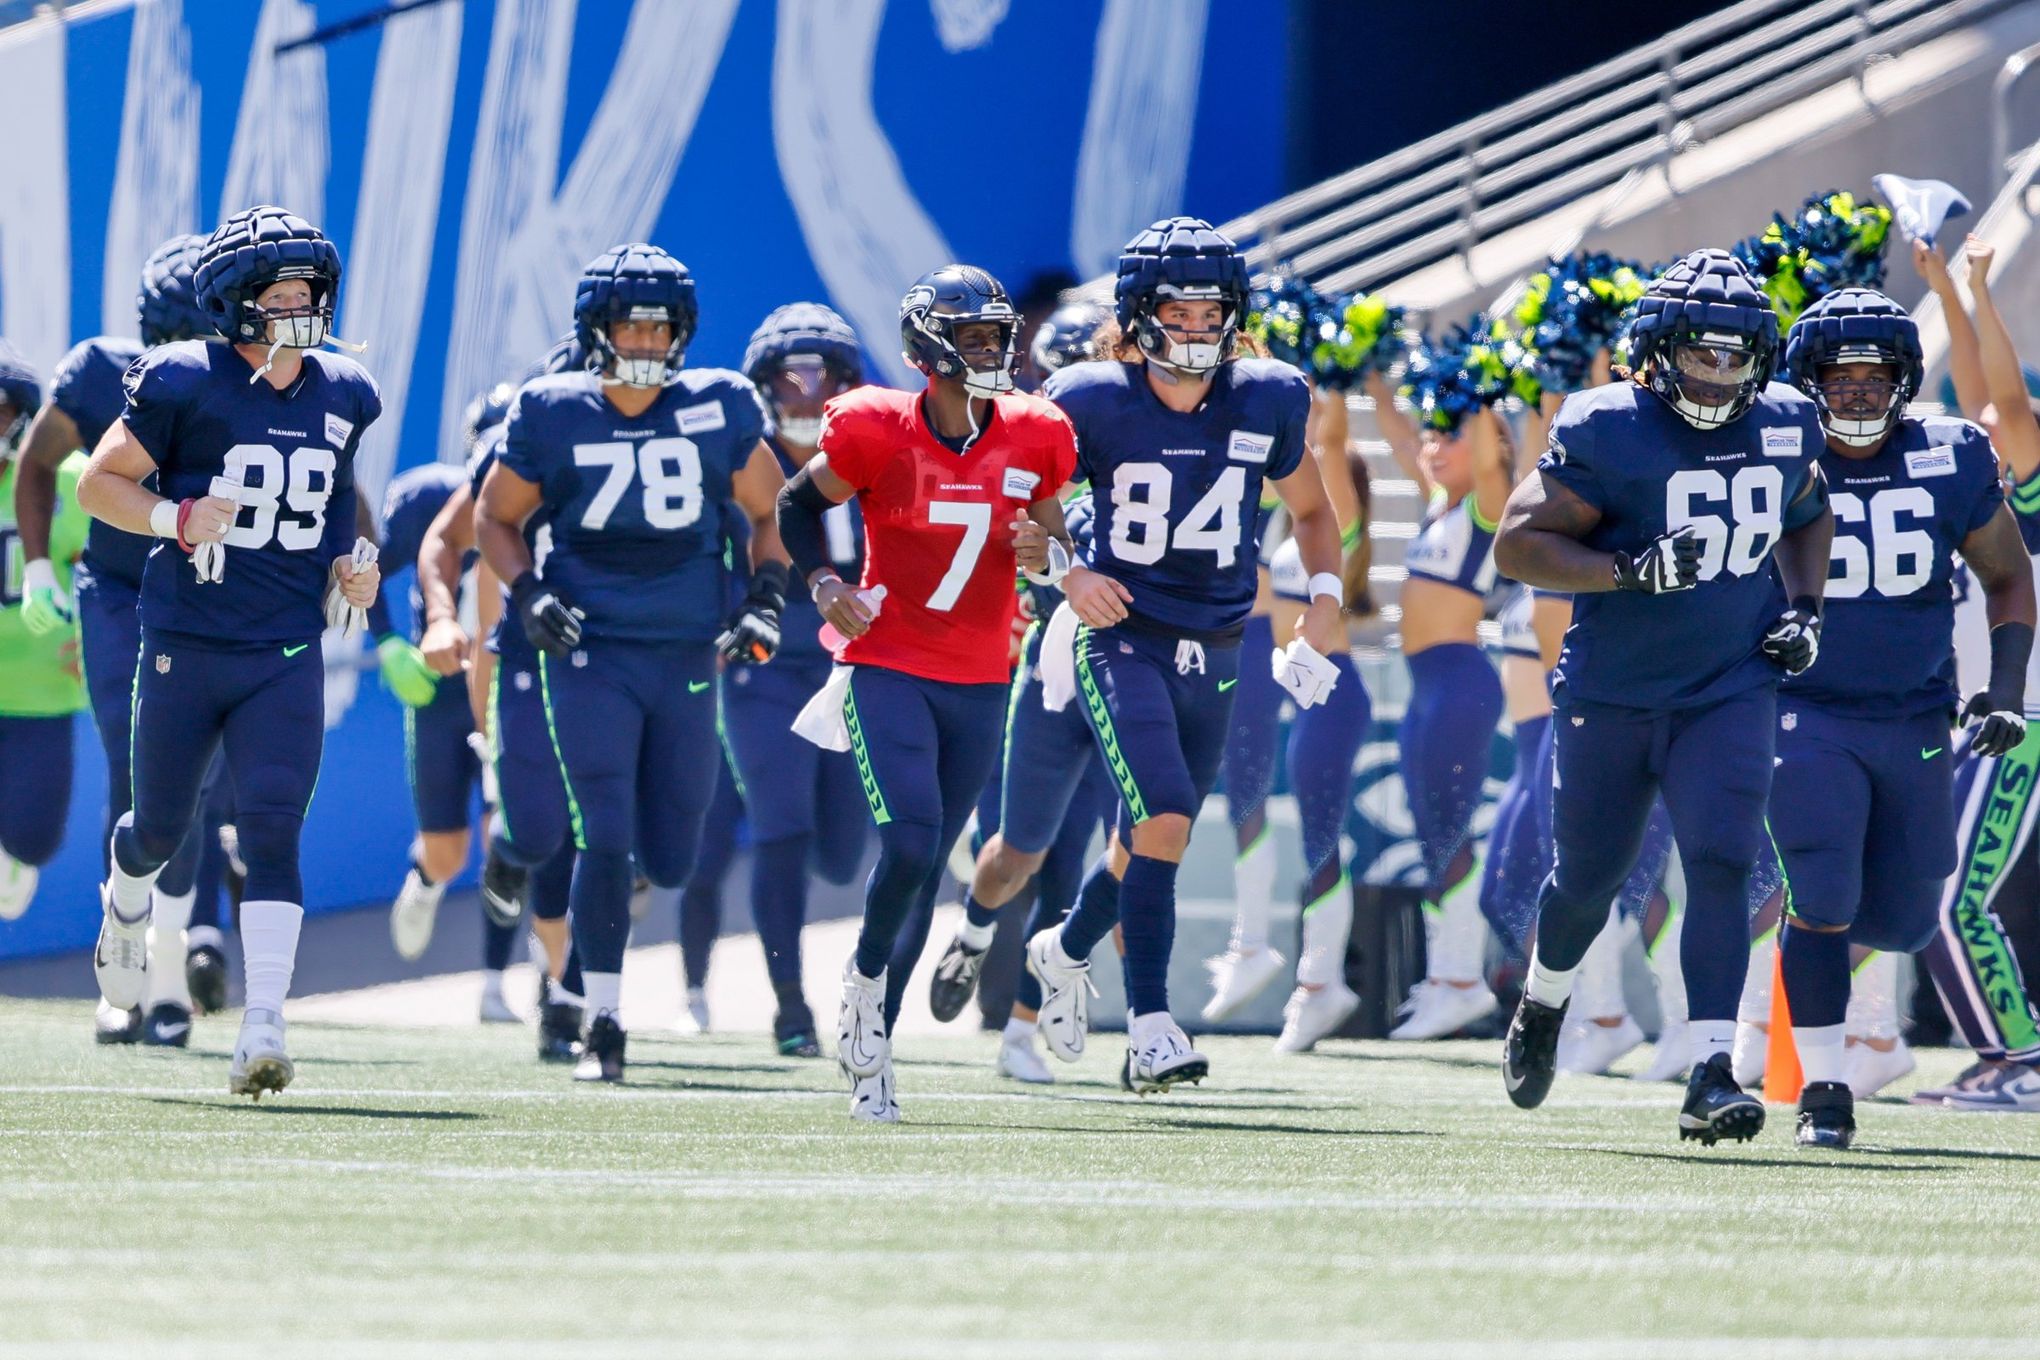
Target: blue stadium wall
<point x="469" y="155"/>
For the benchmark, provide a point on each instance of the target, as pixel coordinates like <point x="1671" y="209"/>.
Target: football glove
<point x="2001" y="730"/>
<point x="1671" y="562"/>
<point x="752" y="634"/>
<point x="405" y="673"/>
<point x="1794" y="640"/>
<point x="1308" y="677"/>
<point x="45" y="607"/>
<point x="550" y="621"/>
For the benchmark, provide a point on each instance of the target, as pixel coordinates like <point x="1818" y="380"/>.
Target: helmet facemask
<point x="1191" y="358"/>
<point x="1710" y="378"/>
<point x="796" y="387"/>
<point x="642" y="367"/>
<point x="1859" y="395"/>
<point x="984" y="372"/>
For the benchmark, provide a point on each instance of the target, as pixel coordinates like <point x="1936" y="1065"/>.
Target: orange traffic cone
<point x="1782" y="1075"/>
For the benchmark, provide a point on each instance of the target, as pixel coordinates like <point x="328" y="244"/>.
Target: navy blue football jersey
<point x="193" y="409"/>
<point x="1177" y="495"/>
<point x="800" y="623"/>
<point x="1633" y="458"/>
<point x="87" y="389"/>
<point x="635" y="505"/>
<point x="1887" y="632"/>
<point x="410" y="505"/>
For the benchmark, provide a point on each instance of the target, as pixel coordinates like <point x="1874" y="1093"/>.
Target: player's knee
<point x="144" y="847"/>
<point x="908" y="851"/>
<point x="1166" y="835"/>
<point x="269" y="847"/>
<point x="442" y="854"/>
<point x="1003" y="869"/>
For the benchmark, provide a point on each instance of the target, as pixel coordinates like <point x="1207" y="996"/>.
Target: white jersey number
<point x="1755" y="501"/>
<point x="1895" y="561"/>
<point x="1140" y="515"/>
<point x="976" y="519"/>
<point x="670" y="469"/>
<point x="272" y="482"/>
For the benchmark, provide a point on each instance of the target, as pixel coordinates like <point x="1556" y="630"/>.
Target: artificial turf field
<point x="436" y="1192"/>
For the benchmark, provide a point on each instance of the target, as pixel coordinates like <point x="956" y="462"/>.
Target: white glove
<point x="1058" y="565"/>
<point x="209" y="560"/>
<point x="349" y="619"/>
<point x="1308" y="677"/>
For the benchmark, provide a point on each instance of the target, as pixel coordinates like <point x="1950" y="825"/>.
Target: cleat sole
<point x="263" y="1074"/>
<point x="1737" y="1123"/>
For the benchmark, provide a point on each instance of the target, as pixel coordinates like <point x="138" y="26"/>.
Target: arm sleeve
<point x="1569" y="457"/>
<point x="151" y="409"/>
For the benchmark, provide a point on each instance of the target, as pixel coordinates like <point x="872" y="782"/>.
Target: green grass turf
<point x="437" y="1192"/>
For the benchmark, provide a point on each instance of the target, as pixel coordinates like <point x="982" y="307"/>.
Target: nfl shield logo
<point x="162" y="664"/>
<point x="1788" y="721"/>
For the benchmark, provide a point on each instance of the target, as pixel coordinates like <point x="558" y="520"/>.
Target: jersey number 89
<point x="272" y="482"/>
<point x="1756" y="516"/>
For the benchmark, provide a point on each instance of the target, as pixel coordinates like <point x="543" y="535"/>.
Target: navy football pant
<point x="1061" y="874"/>
<point x="701" y="899"/>
<point x="265" y="707"/>
<point x="442" y="766"/>
<point x="1713" y="766"/>
<point x="1324" y="741"/>
<point x="531" y="802"/>
<point x="110" y="636"/>
<point x="1446" y="734"/>
<point x="924" y="750"/>
<point x="1970" y="957"/>
<point x="634" y="725"/>
<point x="35" y="791"/>
<point x="1249" y="764"/>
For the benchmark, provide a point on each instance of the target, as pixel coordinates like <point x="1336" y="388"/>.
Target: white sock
<point x="1018" y="1031"/>
<point x="1705" y="1038"/>
<point x="977" y="939"/>
<point x="492" y="982"/>
<point x="1140" y="1029"/>
<point x="167" y="919"/>
<point x="130" y="892"/>
<point x="196" y="936"/>
<point x="1873" y="998"/>
<point x="1820" y="1051"/>
<point x="1253" y="892"/>
<point x="1755" y="1007"/>
<point x="1457" y="933"/>
<point x="1548" y="986"/>
<point x="1327" y="923"/>
<point x="1598" y="986"/>
<point x="604" y="992"/>
<point x="269" y="939"/>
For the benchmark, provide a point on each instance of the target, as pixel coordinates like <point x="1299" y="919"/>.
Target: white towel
<point x="821" y="719"/>
<point x="1059" y="659"/>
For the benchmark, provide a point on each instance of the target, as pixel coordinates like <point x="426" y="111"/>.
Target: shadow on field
<point x="1005" y="1126"/>
<point x="1446" y="1060"/>
<point x="1243" y="1126"/>
<point x="1728" y="1157"/>
<point x="285" y="1106"/>
<point x="666" y="1065"/>
<point x="1961" y="1154"/>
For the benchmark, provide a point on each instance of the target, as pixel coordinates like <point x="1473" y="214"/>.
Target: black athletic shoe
<point x="503" y="889"/>
<point x="601" y="1051"/>
<point x="559" y="1031"/>
<point x="1530" y="1052"/>
<point x="1827" y="1115"/>
<point x="111" y="1026"/>
<point x="955" y="980"/>
<point x="205" y="974"/>
<point x="167" y="1025"/>
<point x="793" y="1029"/>
<point x="1717" y="1108"/>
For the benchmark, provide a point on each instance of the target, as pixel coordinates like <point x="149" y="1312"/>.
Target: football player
<point x="1177" y="437"/>
<point x="957" y="485"/>
<point x="634" y="462"/>
<point x="252" y="443"/>
<point x="1660" y="505"/>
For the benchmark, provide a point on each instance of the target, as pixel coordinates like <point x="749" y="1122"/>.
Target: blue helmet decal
<point x="168" y="303"/>
<point x="1705" y="338"/>
<point x="1069" y="336"/>
<point x="1855" y="325"/>
<point x="249" y="252"/>
<point x="1180" y="259"/>
<point x="634" y="282"/>
<point x="944" y="299"/>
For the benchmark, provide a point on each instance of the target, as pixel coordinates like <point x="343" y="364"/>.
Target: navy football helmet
<point x="21" y="388"/>
<point x="1856" y="326"/>
<point x="942" y="300"/>
<point x="488" y="410"/>
<point x="800" y="356"/>
<point x="168" y="300"/>
<point x="1180" y="259"/>
<point x="252" y="250"/>
<point x="1705" y="338"/>
<point x="635" y="282"/>
<point x="1069" y="336"/>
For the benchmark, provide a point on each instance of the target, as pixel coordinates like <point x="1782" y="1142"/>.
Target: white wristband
<point x="821" y="579"/>
<point x="163" y="519"/>
<point x="1324" y="583"/>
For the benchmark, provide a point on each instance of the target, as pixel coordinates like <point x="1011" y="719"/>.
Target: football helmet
<point x="944" y="299"/>
<point x="1705" y="338"/>
<point x="1856" y="325"/>
<point x="168" y="301"/>
<point x="249" y="252"/>
<point x="1069" y="336"/>
<point x="635" y="282"/>
<point x="1180" y="259"/>
<point x="801" y="355"/>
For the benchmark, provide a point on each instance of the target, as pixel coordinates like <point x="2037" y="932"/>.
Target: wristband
<point x="1324" y="583"/>
<point x="165" y="518"/>
<point x="814" y="586"/>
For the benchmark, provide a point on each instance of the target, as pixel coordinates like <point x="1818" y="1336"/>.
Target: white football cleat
<point x="120" y="961"/>
<point x="1436" y="1009"/>
<point x="862" y="1048"/>
<point x="1311" y="1014"/>
<point x="1238" y="977"/>
<point x="494" y="1009"/>
<point x="1022" y="1061"/>
<point x="697" y="1011"/>
<point x="1751" y="1053"/>
<point x="1670" y="1059"/>
<point x="871" y="1098"/>
<point x="1158" y="1055"/>
<point x="1869" y="1070"/>
<point x="17" y="886"/>
<point x="1066" y="991"/>
<point x="413" y="915"/>
<point x="2004" y="1087"/>
<point x="260" y="1063"/>
<point x="1591" y="1049"/>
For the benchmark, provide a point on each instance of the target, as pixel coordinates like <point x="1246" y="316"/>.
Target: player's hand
<point x="1322" y="626"/>
<point x="405" y="672"/>
<point x="205" y="519"/>
<point x="1928" y="264"/>
<point x="1978" y="253"/>
<point x="549" y="619"/>
<point x="1794" y="640"/>
<point x="1030" y="544"/>
<point x="752" y="634"/>
<point x="1097" y="599"/>
<point x="444" y="646"/>
<point x="2003" y="725"/>
<point x="45" y="606"/>
<point x="357" y="584"/>
<point x="1671" y="562"/>
<point x="837" y="600"/>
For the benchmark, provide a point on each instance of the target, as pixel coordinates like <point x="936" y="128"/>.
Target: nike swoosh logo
<point x="293" y="651"/>
<point x="1225" y="685"/>
<point x="696" y="686"/>
<point x="1929" y="755"/>
<point x="172" y="1031"/>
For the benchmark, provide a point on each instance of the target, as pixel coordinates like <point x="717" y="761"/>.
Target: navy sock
<point x="496" y="944"/>
<point x="1714" y="951"/>
<point x="1816" y="968"/>
<point x="1147" y="915"/>
<point x="1096" y="912"/>
<point x="977" y="913"/>
<point x="779" y="872"/>
<point x="570" y="976"/>
<point x="601" y="909"/>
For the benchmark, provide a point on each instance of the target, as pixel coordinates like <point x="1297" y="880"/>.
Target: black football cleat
<point x="503" y="888"/>
<point x="955" y="980"/>
<point x="1717" y="1108"/>
<point x="1530" y="1052"/>
<point x="601" y="1051"/>
<point x="559" y="1032"/>
<point x="205" y="974"/>
<point x="167" y="1025"/>
<point x="115" y="1026"/>
<point x="1827" y="1115"/>
<point x="793" y="1029"/>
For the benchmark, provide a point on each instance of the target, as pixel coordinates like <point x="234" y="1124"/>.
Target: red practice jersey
<point x="937" y="525"/>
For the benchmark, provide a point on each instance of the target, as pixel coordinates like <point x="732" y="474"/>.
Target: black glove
<point x="1670" y="563"/>
<point x="753" y="631"/>
<point x="2002" y="729"/>
<point x="551" y="623"/>
<point x="1794" y="640"/>
<point x="2000" y="707"/>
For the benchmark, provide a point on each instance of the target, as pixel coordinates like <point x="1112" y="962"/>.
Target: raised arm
<point x="2017" y="433"/>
